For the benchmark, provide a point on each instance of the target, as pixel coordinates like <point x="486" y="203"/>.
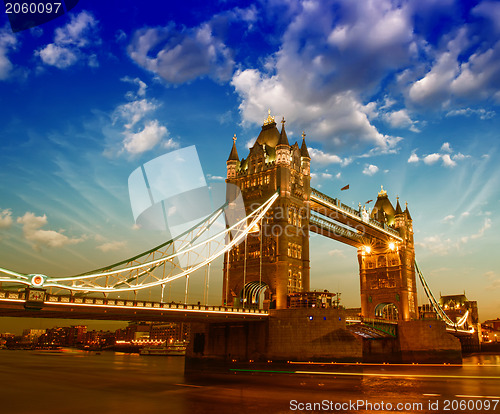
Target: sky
<point x="403" y="94"/>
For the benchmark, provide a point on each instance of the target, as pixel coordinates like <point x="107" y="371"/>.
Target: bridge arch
<point x="255" y="293"/>
<point x="387" y="310"/>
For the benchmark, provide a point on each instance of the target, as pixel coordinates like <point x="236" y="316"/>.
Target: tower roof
<point x="283" y="138"/>
<point x="303" y="149"/>
<point x="269" y="135"/>
<point x="383" y="205"/>
<point x="233" y="156"/>
<point x="398" y="207"/>
<point x="407" y="212"/>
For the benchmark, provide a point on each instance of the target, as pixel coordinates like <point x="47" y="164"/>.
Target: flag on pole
<point x="345" y="188"/>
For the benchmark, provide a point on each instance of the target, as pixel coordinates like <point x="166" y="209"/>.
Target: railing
<point x="390" y="327"/>
<point x="66" y="299"/>
<point x="349" y="210"/>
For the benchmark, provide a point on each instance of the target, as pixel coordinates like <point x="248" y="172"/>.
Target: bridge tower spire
<point x="277" y="255"/>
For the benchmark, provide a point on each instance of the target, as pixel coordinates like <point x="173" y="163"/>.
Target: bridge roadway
<point x="331" y="218"/>
<point x="12" y="304"/>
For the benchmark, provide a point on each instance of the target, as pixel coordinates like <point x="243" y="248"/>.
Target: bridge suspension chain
<point x="437" y="307"/>
<point x="183" y="255"/>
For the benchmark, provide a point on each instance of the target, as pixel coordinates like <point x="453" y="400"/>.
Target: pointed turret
<point x="304" y="156"/>
<point x="398" y="207"/>
<point x="233" y="156"/>
<point x="283" y="147"/>
<point x="303" y="149"/>
<point x="233" y="161"/>
<point x="407" y="212"/>
<point x="283" y="138"/>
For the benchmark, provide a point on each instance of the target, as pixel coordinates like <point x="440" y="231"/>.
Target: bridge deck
<point x="67" y="307"/>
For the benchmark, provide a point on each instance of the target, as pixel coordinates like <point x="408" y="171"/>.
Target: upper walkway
<point x="336" y="220"/>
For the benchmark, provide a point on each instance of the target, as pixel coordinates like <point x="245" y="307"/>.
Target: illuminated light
<point x="310" y="318"/>
<point x="368" y="374"/>
<point x="392" y="246"/>
<point x="255" y="228"/>
<point x="37" y="280"/>
<point x="368" y="249"/>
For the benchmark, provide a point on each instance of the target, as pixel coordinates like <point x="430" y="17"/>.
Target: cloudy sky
<point x="403" y="94"/>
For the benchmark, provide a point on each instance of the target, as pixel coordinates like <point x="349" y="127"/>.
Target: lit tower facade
<point x="387" y="270"/>
<point x="274" y="260"/>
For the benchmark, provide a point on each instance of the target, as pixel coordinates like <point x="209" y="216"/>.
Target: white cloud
<point x="481" y="113"/>
<point x="432" y="158"/>
<point x="323" y="158"/>
<point x="457" y="75"/>
<point x="447" y="161"/>
<point x="215" y="177"/>
<point x="148" y="138"/>
<point x="75" y="32"/>
<point x="448" y="218"/>
<point x="338" y="121"/>
<point x="70" y="43"/>
<point x="112" y="246"/>
<point x="486" y="225"/>
<point x="8" y="43"/>
<point x="413" y="158"/>
<point x="141" y="132"/>
<point x="370" y="169"/>
<point x="434" y="87"/>
<point x="401" y="119"/>
<point x="446" y="147"/>
<point x="320" y="77"/>
<point x="181" y="56"/>
<point x="5" y="218"/>
<point x="49" y="238"/>
<point x="58" y="56"/>
<point x="134" y="111"/>
<point x="136" y="81"/>
<point x="437" y="245"/>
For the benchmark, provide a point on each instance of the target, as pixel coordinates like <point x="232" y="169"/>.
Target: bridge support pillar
<point x="387" y="273"/>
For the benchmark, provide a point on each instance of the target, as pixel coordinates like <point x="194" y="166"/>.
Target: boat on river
<point x="165" y="349"/>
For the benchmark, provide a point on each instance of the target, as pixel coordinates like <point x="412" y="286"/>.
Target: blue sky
<point x="403" y="94"/>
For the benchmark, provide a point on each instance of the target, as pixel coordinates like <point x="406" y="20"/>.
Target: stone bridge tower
<point x="387" y="270"/>
<point x="274" y="260"/>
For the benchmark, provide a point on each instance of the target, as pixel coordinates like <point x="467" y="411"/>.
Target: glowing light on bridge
<point x="392" y="246"/>
<point x="368" y="249"/>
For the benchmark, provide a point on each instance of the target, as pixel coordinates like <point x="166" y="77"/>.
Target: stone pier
<point x="316" y="335"/>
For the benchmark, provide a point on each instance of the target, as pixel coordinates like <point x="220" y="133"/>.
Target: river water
<point x="81" y="382"/>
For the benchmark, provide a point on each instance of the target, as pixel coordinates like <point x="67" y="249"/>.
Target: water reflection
<point x="127" y="383"/>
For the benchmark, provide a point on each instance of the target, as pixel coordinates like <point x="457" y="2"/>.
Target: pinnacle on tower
<point x="398" y="207"/>
<point x="283" y="138"/>
<point x="233" y="156"/>
<point x="407" y="212"/>
<point x="303" y="149"/>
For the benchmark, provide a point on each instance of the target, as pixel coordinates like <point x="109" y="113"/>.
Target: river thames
<point x="84" y="382"/>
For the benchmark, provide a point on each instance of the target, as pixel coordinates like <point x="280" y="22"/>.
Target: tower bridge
<point x="277" y="256"/>
<point x="266" y="261"/>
